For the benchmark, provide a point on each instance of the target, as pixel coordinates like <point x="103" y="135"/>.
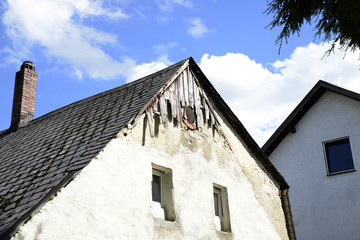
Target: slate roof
<point x="41" y="157"/>
<point x="301" y="109"/>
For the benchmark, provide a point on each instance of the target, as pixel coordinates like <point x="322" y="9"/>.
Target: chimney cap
<point x="29" y="65"/>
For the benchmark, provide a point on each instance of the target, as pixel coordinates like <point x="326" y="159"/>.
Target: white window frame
<point x="165" y="209"/>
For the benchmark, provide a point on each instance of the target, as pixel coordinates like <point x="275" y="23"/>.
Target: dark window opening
<point x="217" y="202"/>
<point x="156" y="188"/>
<point x="338" y="156"/>
<point x="189" y="117"/>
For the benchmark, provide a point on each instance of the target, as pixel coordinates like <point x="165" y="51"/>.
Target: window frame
<point x="224" y="212"/>
<point x="166" y="206"/>
<point x="160" y="174"/>
<point x="219" y="202"/>
<point x="334" y="141"/>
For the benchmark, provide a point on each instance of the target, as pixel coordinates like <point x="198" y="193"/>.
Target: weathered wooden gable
<point x="181" y="99"/>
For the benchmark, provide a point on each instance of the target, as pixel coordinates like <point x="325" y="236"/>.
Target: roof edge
<point x="301" y="109"/>
<point x="239" y="127"/>
<point x="162" y="89"/>
<point x="12" y="229"/>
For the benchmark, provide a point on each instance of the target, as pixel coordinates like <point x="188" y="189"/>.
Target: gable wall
<point x="231" y="157"/>
<point x="323" y="207"/>
<point x="111" y="197"/>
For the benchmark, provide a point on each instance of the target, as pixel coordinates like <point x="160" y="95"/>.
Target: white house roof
<point x="288" y="126"/>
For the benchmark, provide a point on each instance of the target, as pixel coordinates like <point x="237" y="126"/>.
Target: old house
<point x="316" y="150"/>
<point x="162" y="157"/>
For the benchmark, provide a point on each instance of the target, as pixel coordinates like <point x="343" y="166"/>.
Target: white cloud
<point x="164" y="48"/>
<point x="57" y="27"/>
<point x="168" y="5"/>
<point x="197" y="28"/>
<point x="262" y="97"/>
<point x="87" y="8"/>
<point x="145" y="69"/>
<point x="78" y="74"/>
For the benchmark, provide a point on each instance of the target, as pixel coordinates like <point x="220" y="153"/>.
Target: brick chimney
<point x="24" y="96"/>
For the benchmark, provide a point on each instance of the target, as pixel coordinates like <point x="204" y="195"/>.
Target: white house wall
<point x="323" y="207"/>
<point x="111" y="197"/>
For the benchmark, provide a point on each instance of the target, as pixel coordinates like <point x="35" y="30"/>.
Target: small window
<point x="217" y="202"/>
<point x="162" y="193"/>
<point x="221" y="208"/>
<point x="156" y="186"/>
<point x="338" y="156"/>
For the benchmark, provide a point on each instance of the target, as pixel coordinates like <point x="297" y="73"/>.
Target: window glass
<point x="216" y="204"/>
<point x="156" y="188"/>
<point x="162" y="206"/>
<point x="338" y="155"/>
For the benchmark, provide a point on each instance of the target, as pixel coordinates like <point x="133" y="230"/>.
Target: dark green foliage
<point x="336" y="20"/>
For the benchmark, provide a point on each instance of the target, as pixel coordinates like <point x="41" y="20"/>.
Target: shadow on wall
<point x="37" y="234"/>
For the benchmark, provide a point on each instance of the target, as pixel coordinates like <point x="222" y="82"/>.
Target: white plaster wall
<point x="111" y="197"/>
<point x="323" y="207"/>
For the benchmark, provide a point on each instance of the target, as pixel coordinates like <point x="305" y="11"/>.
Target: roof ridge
<point x="98" y="95"/>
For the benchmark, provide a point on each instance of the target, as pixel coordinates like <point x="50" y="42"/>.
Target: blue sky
<point x="84" y="47"/>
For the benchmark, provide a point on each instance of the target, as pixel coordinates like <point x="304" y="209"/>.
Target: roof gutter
<point x="285" y="202"/>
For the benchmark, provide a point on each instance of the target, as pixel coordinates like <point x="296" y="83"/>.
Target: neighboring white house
<point x="317" y="150"/>
<point x="162" y="157"/>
